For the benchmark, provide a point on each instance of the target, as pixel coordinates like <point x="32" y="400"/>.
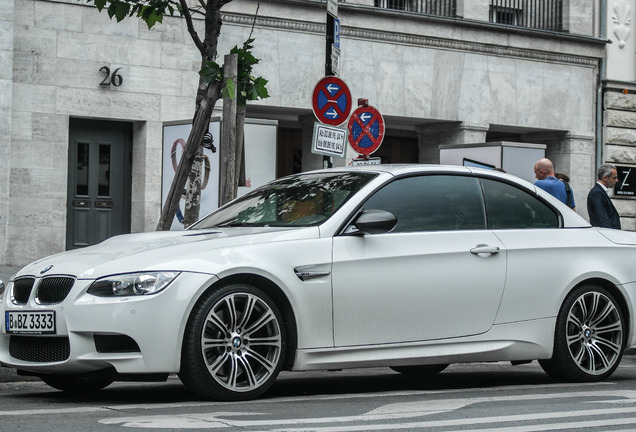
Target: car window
<point x="509" y="207"/>
<point x="300" y="200"/>
<point x="432" y="203"/>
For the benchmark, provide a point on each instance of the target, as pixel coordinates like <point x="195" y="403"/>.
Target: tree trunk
<point x="240" y="147"/>
<point x="193" y="190"/>
<point x="207" y="96"/>
<point x="228" y="140"/>
<point x="200" y="126"/>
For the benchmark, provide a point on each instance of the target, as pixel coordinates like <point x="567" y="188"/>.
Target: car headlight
<point x="133" y="284"/>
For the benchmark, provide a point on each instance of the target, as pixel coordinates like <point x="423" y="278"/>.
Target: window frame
<point x="479" y="176"/>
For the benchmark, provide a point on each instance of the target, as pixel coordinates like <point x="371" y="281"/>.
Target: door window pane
<point x="509" y="207"/>
<point x="104" y="170"/>
<point x="81" y="167"/>
<point x="432" y="203"/>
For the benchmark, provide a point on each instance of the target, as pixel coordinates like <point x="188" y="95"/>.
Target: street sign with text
<point x="332" y="7"/>
<point x="329" y="140"/>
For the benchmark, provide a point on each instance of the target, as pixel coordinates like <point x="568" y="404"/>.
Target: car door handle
<point x="484" y="250"/>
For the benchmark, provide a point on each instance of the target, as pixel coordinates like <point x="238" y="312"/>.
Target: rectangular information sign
<point x="366" y="162"/>
<point x="329" y="140"/>
<point x="332" y="7"/>
<point x="626" y="186"/>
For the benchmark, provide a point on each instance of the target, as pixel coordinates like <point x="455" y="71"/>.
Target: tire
<point x="589" y="338"/>
<point x="234" y="344"/>
<point x="422" y="370"/>
<point x="77" y="384"/>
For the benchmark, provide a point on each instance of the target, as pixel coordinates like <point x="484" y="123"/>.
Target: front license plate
<point x="30" y="322"/>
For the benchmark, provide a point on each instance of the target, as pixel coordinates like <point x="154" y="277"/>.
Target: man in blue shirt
<point x="544" y="172"/>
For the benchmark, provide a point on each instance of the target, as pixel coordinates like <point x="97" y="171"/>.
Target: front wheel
<point x="234" y="344"/>
<point x="589" y="338"/>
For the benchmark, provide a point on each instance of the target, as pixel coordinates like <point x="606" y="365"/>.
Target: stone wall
<point x="6" y="102"/>
<point x="620" y="142"/>
<point x="59" y="48"/>
<point x="438" y="80"/>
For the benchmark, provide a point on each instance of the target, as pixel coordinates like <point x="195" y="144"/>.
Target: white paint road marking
<point x="176" y="405"/>
<point x="390" y="412"/>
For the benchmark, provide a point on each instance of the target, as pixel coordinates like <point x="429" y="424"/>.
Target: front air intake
<point x="39" y="349"/>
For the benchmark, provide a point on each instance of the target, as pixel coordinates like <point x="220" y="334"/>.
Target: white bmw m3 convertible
<point x="409" y="267"/>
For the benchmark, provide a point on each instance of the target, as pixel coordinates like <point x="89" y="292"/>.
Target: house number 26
<point x="114" y="79"/>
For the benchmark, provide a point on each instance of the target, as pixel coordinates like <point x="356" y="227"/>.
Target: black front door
<point x="99" y="181"/>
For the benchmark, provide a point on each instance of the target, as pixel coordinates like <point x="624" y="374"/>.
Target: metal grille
<point x="22" y="290"/>
<point x="430" y="7"/>
<point x="539" y="14"/>
<point x="39" y="349"/>
<point x="54" y="289"/>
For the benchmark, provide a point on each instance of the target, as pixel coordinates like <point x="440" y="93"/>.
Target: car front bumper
<point x="143" y="334"/>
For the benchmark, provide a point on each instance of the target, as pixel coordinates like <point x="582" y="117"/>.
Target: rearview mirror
<point x="372" y="222"/>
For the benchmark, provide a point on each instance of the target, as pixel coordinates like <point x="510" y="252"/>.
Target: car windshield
<point x="298" y="200"/>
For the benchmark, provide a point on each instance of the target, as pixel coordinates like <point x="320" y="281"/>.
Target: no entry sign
<point x="366" y="129"/>
<point x="331" y="101"/>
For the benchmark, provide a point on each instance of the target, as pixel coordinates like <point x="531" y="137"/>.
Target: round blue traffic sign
<point x="331" y="101"/>
<point x="366" y="129"/>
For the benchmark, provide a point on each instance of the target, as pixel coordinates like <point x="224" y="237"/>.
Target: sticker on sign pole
<point x="331" y="101"/>
<point x="366" y="129"/>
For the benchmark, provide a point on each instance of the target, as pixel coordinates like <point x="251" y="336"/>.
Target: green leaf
<point x="150" y="15"/>
<point x="228" y="89"/>
<point x="112" y="10"/>
<point x="121" y="11"/>
<point x="259" y="86"/>
<point x="211" y="72"/>
<point x="99" y="3"/>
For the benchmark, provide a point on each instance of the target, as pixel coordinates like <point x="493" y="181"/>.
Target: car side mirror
<point x="372" y="222"/>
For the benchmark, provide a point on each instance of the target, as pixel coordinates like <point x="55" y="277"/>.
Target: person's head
<point x="607" y="175"/>
<point x="543" y="168"/>
<point x="563" y="177"/>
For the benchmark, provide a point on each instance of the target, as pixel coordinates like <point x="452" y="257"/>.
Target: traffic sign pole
<point x="328" y="44"/>
<point x="330" y="32"/>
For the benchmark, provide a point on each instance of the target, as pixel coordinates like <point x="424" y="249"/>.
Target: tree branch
<point x="258" y="6"/>
<point x="193" y="33"/>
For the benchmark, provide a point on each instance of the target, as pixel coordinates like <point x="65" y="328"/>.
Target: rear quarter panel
<point x="545" y="265"/>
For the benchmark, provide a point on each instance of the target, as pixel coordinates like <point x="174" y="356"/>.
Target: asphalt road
<point x="468" y="398"/>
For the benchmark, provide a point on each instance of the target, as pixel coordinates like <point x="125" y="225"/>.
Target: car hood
<point x="160" y="251"/>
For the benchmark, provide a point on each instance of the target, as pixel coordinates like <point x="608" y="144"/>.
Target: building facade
<point x="85" y="101"/>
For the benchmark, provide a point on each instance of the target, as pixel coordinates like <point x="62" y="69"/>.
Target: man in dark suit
<point x="599" y="205"/>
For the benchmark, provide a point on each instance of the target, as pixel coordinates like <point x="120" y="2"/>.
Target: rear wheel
<point x="234" y="344"/>
<point x="589" y="338"/>
<point x="82" y="383"/>
<point x="422" y="370"/>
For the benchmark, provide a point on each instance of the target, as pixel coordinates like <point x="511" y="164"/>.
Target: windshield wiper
<point x="239" y="224"/>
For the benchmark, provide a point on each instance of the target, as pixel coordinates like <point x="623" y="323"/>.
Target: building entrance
<point x="99" y="181"/>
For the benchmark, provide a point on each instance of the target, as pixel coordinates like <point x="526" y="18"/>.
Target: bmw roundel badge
<point x="45" y="269"/>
